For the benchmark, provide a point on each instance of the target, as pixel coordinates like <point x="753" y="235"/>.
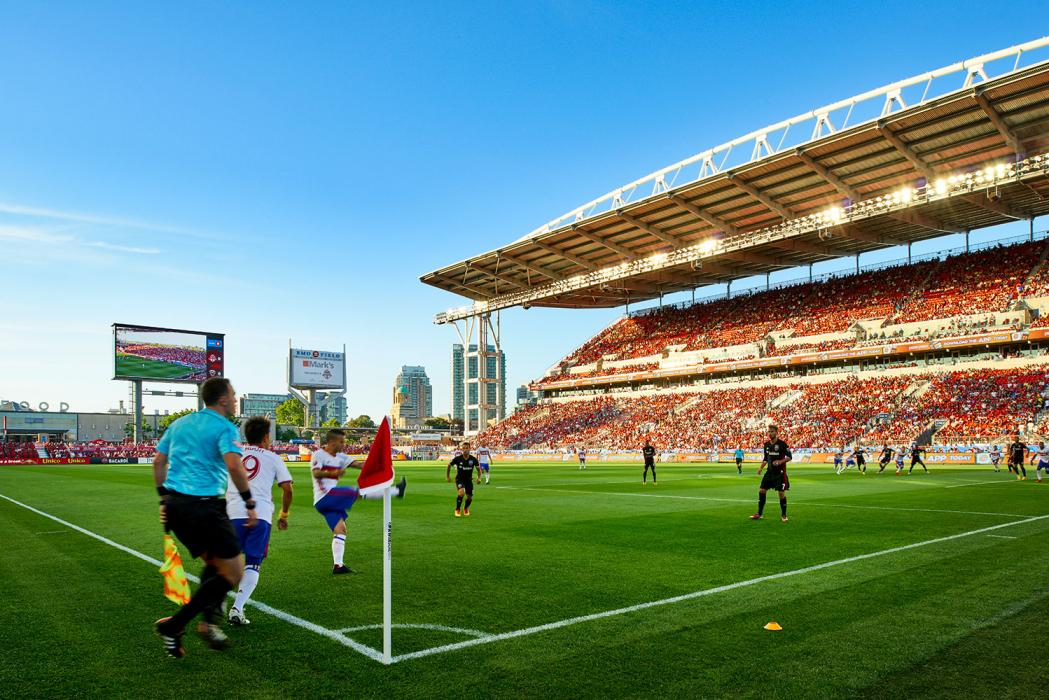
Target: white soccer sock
<point x="247" y="586"/>
<point x="338" y="546"/>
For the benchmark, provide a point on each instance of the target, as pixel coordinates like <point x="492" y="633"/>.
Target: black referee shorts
<point x="201" y="524"/>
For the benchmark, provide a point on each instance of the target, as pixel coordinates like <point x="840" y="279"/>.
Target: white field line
<point x="373" y="654"/>
<point x="420" y="626"/>
<point x="700" y="594"/>
<point x="1003" y="537"/>
<point x="751" y="500"/>
<point x="980" y="483"/>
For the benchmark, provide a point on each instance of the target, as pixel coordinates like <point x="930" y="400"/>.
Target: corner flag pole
<point x="387" y="593"/>
<point x="377" y="475"/>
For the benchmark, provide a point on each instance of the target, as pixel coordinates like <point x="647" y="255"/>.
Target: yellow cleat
<point x="458" y="513"/>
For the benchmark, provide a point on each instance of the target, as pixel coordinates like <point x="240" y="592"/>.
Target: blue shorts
<point x="1042" y="465"/>
<point x="255" y="542"/>
<point x="485" y="467"/>
<point x="335" y="505"/>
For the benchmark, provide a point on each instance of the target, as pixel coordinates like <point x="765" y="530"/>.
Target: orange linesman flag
<point x="377" y="472"/>
<point x="176" y="587"/>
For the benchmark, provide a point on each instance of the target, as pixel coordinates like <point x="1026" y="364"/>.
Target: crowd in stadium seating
<point x="99" y="449"/>
<point x="974" y="283"/>
<point x="190" y="357"/>
<point x="17" y="450"/>
<point x="628" y="369"/>
<point x="983" y="403"/>
<point x="825" y="346"/>
<point x="982" y="282"/>
<point x="976" y="404"/>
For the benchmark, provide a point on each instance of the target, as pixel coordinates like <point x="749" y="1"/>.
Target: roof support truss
<point x="581" y="262"/>
<point x="614" y="247"/>
<point x="757" y="194"/>
<point x="999" y="123"/>
<point x="717" y="222"/>
<point x="531" y="266"/>
<point x="650" y="229"/>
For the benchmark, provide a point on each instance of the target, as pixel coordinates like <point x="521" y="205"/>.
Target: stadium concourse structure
<point x="949" y="151"/>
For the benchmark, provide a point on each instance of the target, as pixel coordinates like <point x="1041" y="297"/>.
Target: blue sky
<point x="288" y="171"/>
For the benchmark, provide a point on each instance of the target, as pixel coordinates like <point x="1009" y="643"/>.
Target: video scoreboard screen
<point x="167" y="354"/>
<point x="317" y="369"/>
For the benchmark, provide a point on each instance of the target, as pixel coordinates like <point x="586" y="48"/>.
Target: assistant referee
<point x="196" y="456"/>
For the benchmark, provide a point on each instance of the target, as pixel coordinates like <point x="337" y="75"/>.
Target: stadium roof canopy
<point x="948" y="151"/>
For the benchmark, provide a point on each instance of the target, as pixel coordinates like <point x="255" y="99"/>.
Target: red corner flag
<point x="377" y="472"/>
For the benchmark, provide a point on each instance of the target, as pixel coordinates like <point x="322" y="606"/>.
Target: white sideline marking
<point x="420" y="626"/>
<point x="751" y="500"/>
<point x="700" y="594"/>
<point x="1003" y="537"/>
<point x="979" y="483"/>
<point x="373" y="654"/>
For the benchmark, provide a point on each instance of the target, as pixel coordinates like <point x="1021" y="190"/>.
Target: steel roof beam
<point x="650" y="229"/>
<point x="754" y="257"/>
<point x="715" y="221"/>
<point x="807" y="247"/>
<point x="907" y="152"/>
<point x="824" y="172"/>
<point x="581" y="262"/>
<point x="470" y="288"/>
<point x="918" y="219"/>
<point x="496" y="275"/>
<point x="996" y="119"/>
<point x="614" y="247"/>
<point x="858" y="234"/>
<point x="995" y="205"/>
<point x="757" y="194"/>
<point x="530" y="266"/>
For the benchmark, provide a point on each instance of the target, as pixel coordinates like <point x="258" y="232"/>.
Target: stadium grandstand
<point x="949" y="349"/>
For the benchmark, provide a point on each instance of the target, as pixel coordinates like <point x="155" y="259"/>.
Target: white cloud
<point x="123" y="248"/>
<point x="32" y="235"/>
<point x="43" y="237"/>
<point x="95" y="219"/>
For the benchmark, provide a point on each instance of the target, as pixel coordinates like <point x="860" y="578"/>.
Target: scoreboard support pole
<point x="136" y="410"/>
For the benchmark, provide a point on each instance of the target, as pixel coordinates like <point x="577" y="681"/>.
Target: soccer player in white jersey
<point x="484" y="457"/>
<point x="996" y="457"/>
<point x="264" y="468"/>
<point x="332" y="501"/>
<point x="581" y="453"/>
<point x="1042" y="455"/>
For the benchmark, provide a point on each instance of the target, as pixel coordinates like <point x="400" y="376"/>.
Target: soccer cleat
<point x="401" y="486"/>
<point x="236" y="617"/>
<point x="340" y="570"/>
<point x="458" y="513"/>
<point x="783" y="519"/>
<point x="172" y="642"/>
<point x="213" y="636"/>
<point x="466" y="512"/>
<point x="756" y="516"/>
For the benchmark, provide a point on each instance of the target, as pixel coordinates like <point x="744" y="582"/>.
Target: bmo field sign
<point x="317" y="369"/>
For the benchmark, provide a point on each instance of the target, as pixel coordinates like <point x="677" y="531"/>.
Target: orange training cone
<point x="773" y="627"/>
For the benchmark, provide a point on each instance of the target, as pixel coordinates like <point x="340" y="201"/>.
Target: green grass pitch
<point x="545" y="544"/>
<point x="132" y="366"/>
